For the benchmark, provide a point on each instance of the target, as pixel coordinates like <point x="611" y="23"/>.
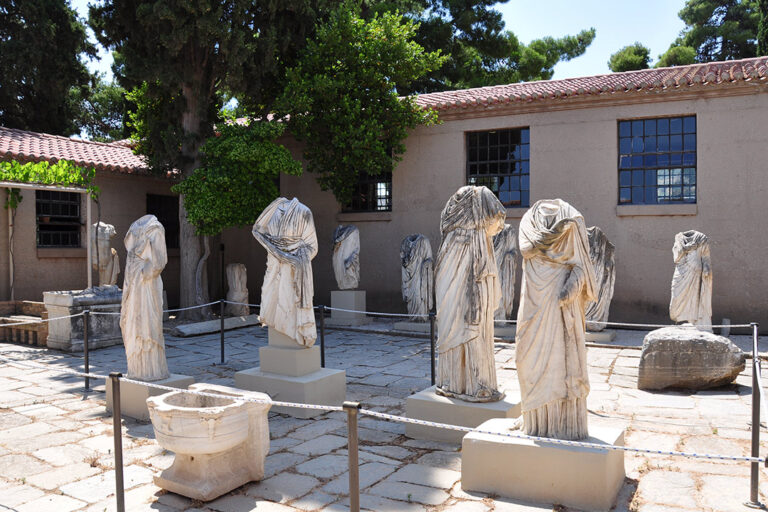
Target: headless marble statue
<point x="104" y="258"/>
<point x="601" y="253"/>
<point x="237" y="281"/>
<point x="692" y="282"/>
<point x="346" y="257"/>
<point x="505" y="250"/>
<point x="417" y="276"/>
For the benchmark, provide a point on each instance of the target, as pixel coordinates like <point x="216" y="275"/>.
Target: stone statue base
<point x="103" y="330"/>
<point x="291" y="373"/>
<point x="419" y="327"/>
<point x="525" y="470"/>
<point x="347" y="299"/>
<point x="429" y="406"/>
<point x="604" y="336"/>
<point x="133" y="397"/>
<point x="504" y="330"/>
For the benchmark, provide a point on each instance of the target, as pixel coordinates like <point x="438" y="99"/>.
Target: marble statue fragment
<point x="287" y="231"/>
<point x="237" y="291"/>
<point x="505" y="250"/>
<point x="558" y="283"/>
<point x="346" y="257"/>
<point x="104" y="258"/>
<point x="467" y="294"/>
<point x="692" y="281"/>
<point x="141" y="316"/>
<point x="418" y="279"/>
<point x="601" y="253"/>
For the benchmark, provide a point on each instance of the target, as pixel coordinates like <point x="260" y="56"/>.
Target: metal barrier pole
<point x="352" y="409"/>
<point x="322" y="336"/>
<point x="432" y="343"/>
<point x="754" y="476"/>
<point x="221" y="328"/>
<point x="117" y="435"/>
<point x="86" y="314"/>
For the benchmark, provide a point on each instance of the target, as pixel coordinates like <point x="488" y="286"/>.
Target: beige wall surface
<point x="123" y="200"/>
<point x="574" y="157"/>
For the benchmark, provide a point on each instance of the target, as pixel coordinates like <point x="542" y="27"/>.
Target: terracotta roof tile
<point x="661" y="80"/>
<point x="31" y="146"/>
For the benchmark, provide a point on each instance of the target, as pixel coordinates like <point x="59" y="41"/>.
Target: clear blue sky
<point x="618" y="23"/>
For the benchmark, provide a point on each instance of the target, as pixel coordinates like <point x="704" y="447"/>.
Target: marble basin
<point x="220" y="442"/>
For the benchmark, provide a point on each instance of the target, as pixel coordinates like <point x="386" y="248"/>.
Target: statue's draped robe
<point x="692" y="282"/>
<point x="141" y="317"/>
<point x="505" y="251"/>
<point x="346" y="257"/>
<point x="237" y="281"/>
<point x="418" y="279"/>
<point x="467" y="293"/>
<point x="558" y="282"/>
<point x="287" y="231"/>
<point x="105" y="259"/>
<point x="601" y="253"/>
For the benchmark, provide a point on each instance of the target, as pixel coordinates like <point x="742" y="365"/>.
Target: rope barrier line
<point x="241" y="303"/>
<point x="43" y="320"/>
<point x="191" y="307"/>
<point x="625" y="324"/>
<point x="578" y="444"/>
<point x="47" y="367"/>
<point x="402" y="315"/>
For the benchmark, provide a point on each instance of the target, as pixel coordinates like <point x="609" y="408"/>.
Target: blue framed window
<point x="500" y="160"/>
<point x="657" y="160"/>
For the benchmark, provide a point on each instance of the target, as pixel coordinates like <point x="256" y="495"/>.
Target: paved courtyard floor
<point x="56" y="444"/>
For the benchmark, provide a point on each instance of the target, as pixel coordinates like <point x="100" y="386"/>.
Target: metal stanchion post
<point x="86" y="314"/>
<point x="117" y="435"/>
<point x="221" y="328"/>
<point x="754" y="499"/>
<point x="352" y="409"/>
<point x="322" y="336"/>
<point x="432" y="344"/>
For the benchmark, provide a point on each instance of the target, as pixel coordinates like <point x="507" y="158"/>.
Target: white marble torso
<point x="104" y="258"/>
<point x="417" y="275"/>
<point x="601" y="253"/>
<point x="346" y="257"/>
<point x="237" y="281"/>
<point x="505" y="250"/>
<point x="692" y="281"/>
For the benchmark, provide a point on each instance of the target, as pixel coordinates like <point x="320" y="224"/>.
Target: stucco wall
<point x="123" y="200"/>
<point x="574" y="157"/>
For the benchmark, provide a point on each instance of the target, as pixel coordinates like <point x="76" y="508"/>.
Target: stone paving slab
<point x="56" y="444"/>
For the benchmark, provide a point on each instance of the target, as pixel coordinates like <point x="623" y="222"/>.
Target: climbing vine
<point x="63" y="173"/>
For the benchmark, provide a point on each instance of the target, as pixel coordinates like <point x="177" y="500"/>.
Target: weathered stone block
<point x="103" y="330"/>
<point x="685" y="357"/>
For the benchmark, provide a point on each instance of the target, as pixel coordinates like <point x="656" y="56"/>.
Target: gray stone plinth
<point x="133" y="397"/>
<point x="521" y="469"/>
<point x="420" y="327"/>
<point x="685" y="357"/>
<point x="293" y="362"/>
<point x="322" y="387"/>
<point x="211" y="326"/>
<point x="506" y="331"/>
<point x="347" y="299"/>
<point x="604" y="336"/>
<point x="103" y="330"/>
<point x="428" y="405"/>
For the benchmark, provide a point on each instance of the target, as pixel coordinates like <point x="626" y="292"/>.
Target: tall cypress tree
<point x="762" y="29"/>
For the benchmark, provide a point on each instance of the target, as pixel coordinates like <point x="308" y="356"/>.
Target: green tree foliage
<point x="677" y="56"/>
<point x="41" y="43"/>
<point x="62" y="172"/>
<point x="342" y="97"/>
<point x="720" y="29"/>
<point x="762" y="29"/>
<point x="481" y="52"/>
<point x="103" y="111"/>
<point x="630" y="58"/>
<point x="238" y="178"/>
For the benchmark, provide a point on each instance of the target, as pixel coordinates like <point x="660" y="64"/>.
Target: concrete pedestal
<point x="419" y="327"/>
<point x="428" y="405"/>
<point x="347" y="299"/>
<point x="291" y="373"/>
<point x="604" y="336"/>
<point x="582" y="478"/>
<point x="504" y="330"/>
<point x="103" y="330"/>
<point x="133" y="397"/>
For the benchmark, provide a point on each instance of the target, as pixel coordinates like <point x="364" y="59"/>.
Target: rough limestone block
<point x="347" y="299"/>
<point x="211" y="326"/>
<point x="323" y="387"/>
<point x="293" y="362"/>
<point x="525" y="470"/>
<point x="685" y="357"/>
<point x="133" y="397"/>
<point x="604" y="336"/>
<point x="428" y="405"/>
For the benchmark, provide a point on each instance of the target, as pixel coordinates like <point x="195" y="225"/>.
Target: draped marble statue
<point x="558" y="282"/>
<point x="692" y="282"/>
<point x="467" y="293"/>
<point x="141" y="316"/>
<point x="346" y="257"/>
<point x="505" y="251"/>
<point x="237" y="281"/>
<point x="418" y="279"/>
<point x="287" y="231"/>
<point x="601" y="252"/>
<point x="104" y="258"/>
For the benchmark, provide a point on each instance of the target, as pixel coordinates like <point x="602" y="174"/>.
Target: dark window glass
<point x="373" y="193"/>
<point x="166" y="209"/>
<point x="500" y="160"/>
<point x="58" y="218"/>
<point x="657" y="160"/>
